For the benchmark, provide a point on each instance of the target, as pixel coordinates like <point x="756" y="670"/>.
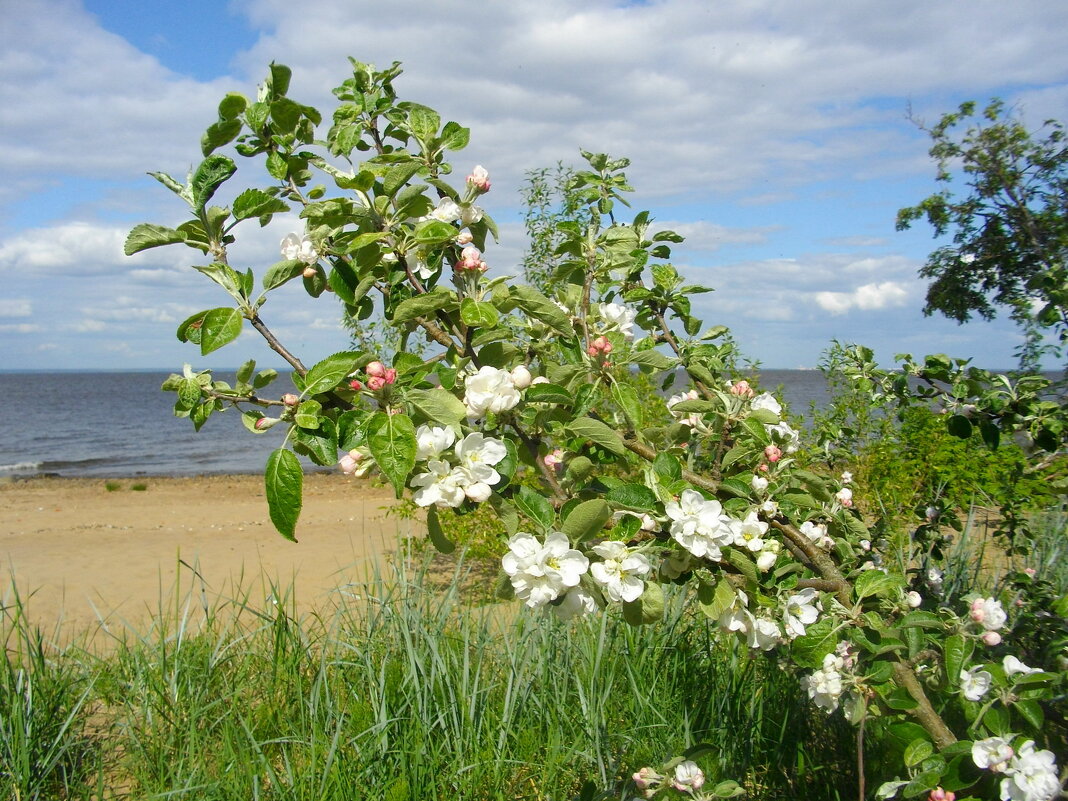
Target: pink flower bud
<point x="772" y="453"/>
<point x="356" y="385"/>
<point x="479" y="179"/>
<point x="742" y="389"/>
<point x="847" y="502"/>
<point x="266" y="422"/>
<point x="938" y="794"/>
<point x="554" y="459"/>
<point x="350" y="461"/>
<point x="375" y="383"/>
<point x="289" y="399"/>
<point x="390" y="375"/>
<point x="991" y="638"/>
<point x="763" y="468"/>
<point x="592" y="350"/>
<point x="464" y="238"/>
<point x="309" y="272"/>
<point x="977" y="613"/>
<point x="376" y="369"/>
<point x="1030" y="571"/>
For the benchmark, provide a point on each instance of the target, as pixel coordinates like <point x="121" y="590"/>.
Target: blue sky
<point x="773" y="133"/>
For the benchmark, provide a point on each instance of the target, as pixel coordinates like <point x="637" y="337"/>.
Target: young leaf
<point x="627" y="398"/>
<point x="478" y="315"/>
<point x="145" y="236"/>
<point x="220" y="327"/>
<point x="437" y="405"/>
<point x="330" y="372"/>
<point x="537" y="305"/>
<point x="597" y="432"/>
<point x="209" y="176"/>
<point x="536" y="507"/>
<point x="437" y="536"/>
<point x="256" y="203"/>
<point x="647" y="608"/>
<point x="633" y="496"/>
<point x="391" y="438"/>
<point x="586" y="519"/>
<point x="284" y="482"/>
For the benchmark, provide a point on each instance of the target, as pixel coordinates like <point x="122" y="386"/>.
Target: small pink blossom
<point x="464" y="238"/>
<point x="375" y="383"/>
<point x="289" y="399"/>
<point x="376" y="369"/>
<point x="742" y="389"/>
<point x="350" y="462"/>
<point x="356" y="385"/>
<point x="390" y="375"/>
<point x="938" y="794"/>
<point x="554" y="459"/>
<point x="991" y="638"/>
<point x="772" y="453"/>
<point x="479" y="179"/>
<point x="266" y="422"/>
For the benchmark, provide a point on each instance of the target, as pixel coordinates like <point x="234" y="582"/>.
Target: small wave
<point x="20" y="467"/>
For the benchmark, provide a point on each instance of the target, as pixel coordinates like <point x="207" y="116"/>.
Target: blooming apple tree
<point x="527" y="402"/>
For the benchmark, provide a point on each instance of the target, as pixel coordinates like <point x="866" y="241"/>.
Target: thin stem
<point x="278" y="347"/>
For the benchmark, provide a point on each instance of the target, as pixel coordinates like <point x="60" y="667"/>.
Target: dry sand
<point x="85" y="557"/>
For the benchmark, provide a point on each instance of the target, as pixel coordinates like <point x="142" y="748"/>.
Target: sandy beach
<point x="83" y="557"/>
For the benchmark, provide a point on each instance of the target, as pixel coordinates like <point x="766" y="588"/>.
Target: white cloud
<point x="16" y="307"/>
<point x="868" y="297"/>
<point x="19" y="328"/>
<point x="77" y="248"/>
<point x="707" y="236"/>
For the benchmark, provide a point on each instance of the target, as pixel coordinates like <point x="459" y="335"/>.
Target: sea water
<point x="111" y="424"/>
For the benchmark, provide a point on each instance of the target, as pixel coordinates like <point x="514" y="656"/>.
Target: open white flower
<point x="766" y="400"/>
<point x="736" y="617"/>
<point x="439" y="485"/>
<point x="975" y="682"/>
<point x="749" y="533"/>
<point x="763" y="634"/>
<point x="688" y="777"/>
<point x="699" y="525"/>
<point x="430" y="442"/>
<point x="989" y="613"/>
<point x="479" y="453"/>
<point x="621" y="572"/>
<point x="576" y="603"/>
<point x="1031" y="776"/>
<point x="802" y="609"/>
<point x="618" y="318"/>
<point x="539" y="572"/>
<point x="824" y="686"/>
<point x="1014" y="666"/>
<point x="489" y="390"/>
<point x="447" y="210"/>
<point x="993" y="753"/>
<point x="299" y="248"/>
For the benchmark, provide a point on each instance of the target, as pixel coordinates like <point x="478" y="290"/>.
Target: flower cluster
<point x="781" y="432"/>
<point x="618" y="317"/>
<point x="489" y="390"/>
<point x="759" y="633"/>
<point x="447" y="484"/>
<point x="989" y="614"/>
<point x="699" y="525"/>
<point x="299" y="248"/>
<point x="471" y="260"/>
<point x="598" y="346"/>
<point x="1030" y="774"/>
<point x="620" y="572"/>
<point x="541" y="572"/>
<point x="686" y="778"/>
<point x="824" y="686"/>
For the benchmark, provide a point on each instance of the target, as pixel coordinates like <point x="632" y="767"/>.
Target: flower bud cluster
<point x="478" y="180"/>
<point x="471" y="261"/>
<point x="599" y="346"/>
<point x="378" y="376"/>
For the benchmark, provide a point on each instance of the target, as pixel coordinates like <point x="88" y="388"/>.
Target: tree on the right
<point x="1008" y="224"/>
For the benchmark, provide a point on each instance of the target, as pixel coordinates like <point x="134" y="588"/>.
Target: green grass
<point x="112" y="486"/>
<point x="138" y="487"/>
<point x="401" y="692"/>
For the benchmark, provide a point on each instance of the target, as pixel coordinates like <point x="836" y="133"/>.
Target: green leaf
<point x="219" y="133"/>
<point x="422" y="305"/>
<point x="764" y="416"/>
<point x="627" y="398"/>
<point x="535" y="506"/>
<point x="586" y="519"/>
<point x="633" y="496"/>
<point x="959" y="426"/>
<point x="454" y="136"/>
<point x="391" y="438"/>
<point x="331" y="371"/>
<point x="256" y="203"/>
<point x="598" y="433"/>
<point x="1031" y="711"/>
<point x="956" y="651"/>
<point x="652" y="358"/>
<point x="875" y="582"/>
<point x="245" y="371"/>
<point x="281" y="272"/>
<point x="284" y="482"/>
<point x="188" y="393"/>
<point x="667" y="466"/>
<point x="318" y="444"/>
<point x="548" y="393"/>
<point x="728" y="789"/>
<point x="479" y="315"/>
<point x="917" y="751"/>
<point x="926" y="620"/>
<point x="398" y="176"/>
<point x="540" y="307"/>
<point x="209" y="176"/>
<point x="433" y="232"/>
<point x="220" y="327"/>
<point x="714" y="601"/>
<point x="647" y="608"/>
<point x="423" y="121"/>
<point x="437" y="405"/>
<point x="437" y="536"/>
<point x="819" y="640"/>
<point x="923" y="783"/>
<point x="145" y="236"/>
<point x="746" y="566"/>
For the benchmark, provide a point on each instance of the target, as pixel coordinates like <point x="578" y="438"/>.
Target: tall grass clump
<point x="400" y="691"/>
<point x="46" y="751"/>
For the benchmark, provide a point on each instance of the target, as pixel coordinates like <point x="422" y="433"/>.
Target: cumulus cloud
<point x="707" y="236"/>
<point x="868" y="297"/>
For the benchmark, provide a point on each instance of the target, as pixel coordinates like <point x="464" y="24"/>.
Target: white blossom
<point x="447" y="210"/>
<point x="489" y="390"/>
<point x="439" y="485"/>
<point x="975" y="682"/>
<point x="299" y="248"/>
<point x="785" y="434"/>
<point x="1014" y="666"/>
<point x="688" y="777"/>
<point x="431" y="441"/>
<point x="699" y="525"/>
<point x="758" y="483"/>
<point x="618" y="317"/>
<point x="766" y="400"/>
<point x="620" y="573"/>
<point x="824" y="686"/>
<point x="749" y="533"/>
<point x="802" y="609"/>
<point x="993" y="753"/>
<point x="575" y="603"/>
<point x="1031" y="776"/>
<point x="763" y="634"/>
<point x="989" y="613"/>
<point x="686" y="419"/>
<point x="736" y="617"/>
<point x="541" y="572"/>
